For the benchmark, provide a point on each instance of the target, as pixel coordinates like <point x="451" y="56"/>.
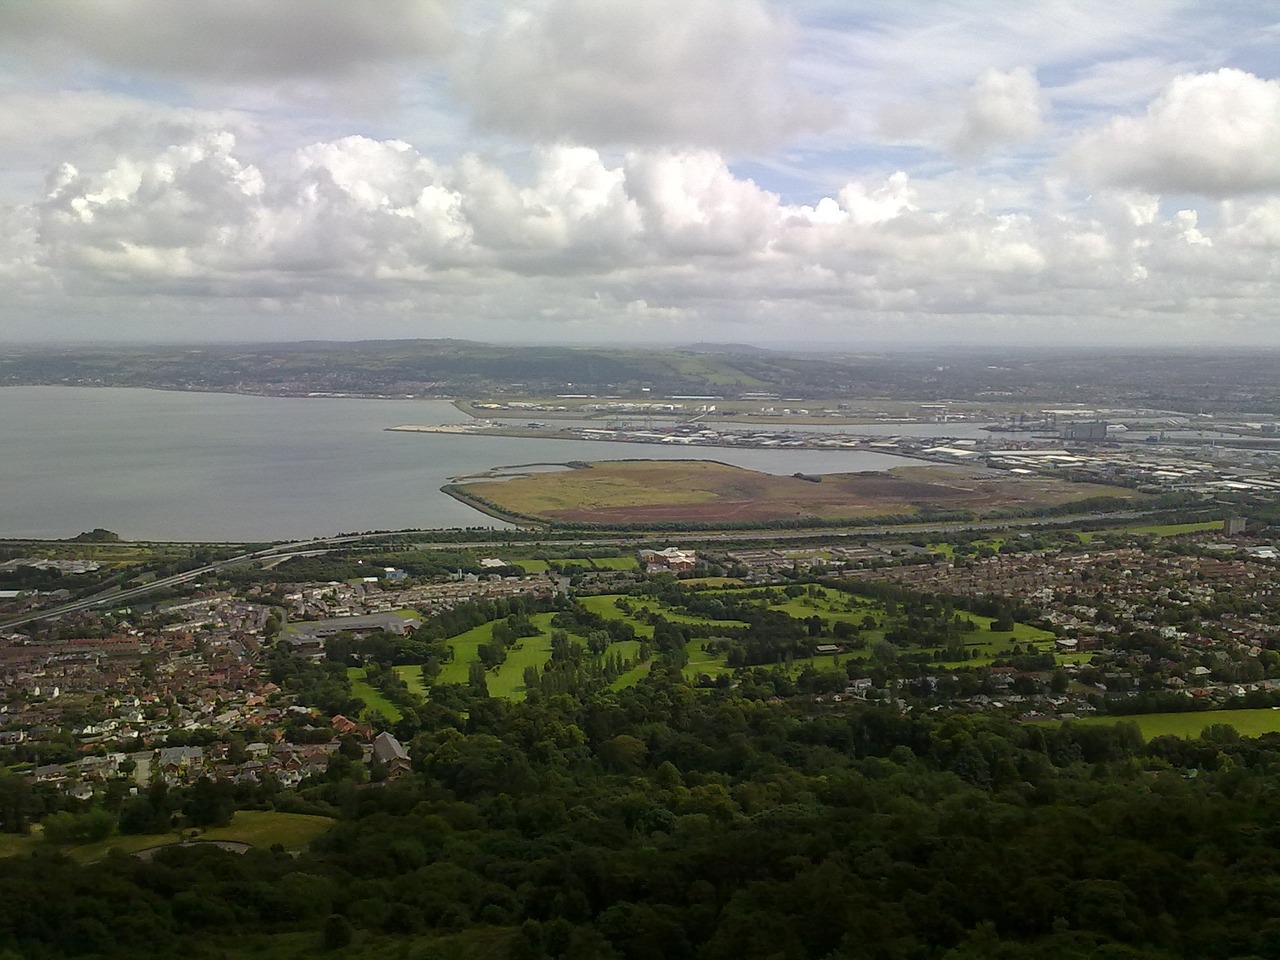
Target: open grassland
<point x="12" y="844"/>
<point x="621" y="562"/>
<point x="718" y="371"/>
<point x="259" y="828"/>
<point x="374" y="701"/>
<point x="606" y="606"/>
<point x="982" y="644"/>
<point x="1249" y="723"/>
<point x="614" y="563"/>
<point x="411" y="674"/>
<point x="507" y="680"/>
<point x="869" y="617"/>
<point x="1155" y="530"/>
<point x="646" y="491"/>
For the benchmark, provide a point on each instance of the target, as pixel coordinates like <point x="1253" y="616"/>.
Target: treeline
<point x="657" y="822"/>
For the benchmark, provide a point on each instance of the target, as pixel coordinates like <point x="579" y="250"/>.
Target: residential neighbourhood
<point x="192" y="688"/>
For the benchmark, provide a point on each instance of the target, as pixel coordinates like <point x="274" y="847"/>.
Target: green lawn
<point x="12" y="844"/>
<point x="411" y="674"/>
<point x="614" y="563"/>
<point x="700" y="662"/>
<point x="508" y="679"/>
<point x="604" y="606"/>
<point x="261" y="828"/>
<point x="374" y="701"/>
<point x="464" y="646"/>
<point x="531" y="566"/>
<point x="983" y="644"/>
<point x="1156" y="530"/>
<point x="1250" y="723"/>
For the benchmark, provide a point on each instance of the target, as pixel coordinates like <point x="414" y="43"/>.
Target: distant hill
<point x="1201" y="383"/>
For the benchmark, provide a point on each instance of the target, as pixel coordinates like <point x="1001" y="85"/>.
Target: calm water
<point x="155" y="465"/>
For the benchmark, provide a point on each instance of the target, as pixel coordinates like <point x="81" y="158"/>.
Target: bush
<point x="337" y="932"/>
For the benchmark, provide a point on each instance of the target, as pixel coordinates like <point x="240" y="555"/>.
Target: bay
<point x="158" y="465"/>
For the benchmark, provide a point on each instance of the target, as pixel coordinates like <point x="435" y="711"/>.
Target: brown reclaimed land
<point x="705" y="491"/>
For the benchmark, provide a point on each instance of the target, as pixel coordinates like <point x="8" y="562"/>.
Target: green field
<point x="615" y="563"/>
<point x="257" y="827"/>
<point x="983" y="644"/>
<point x="1156" y="530"/>
<point x="374" y="701"/>
<point x="411" y="674"/>
<point x="532" y="566"/>
<point x="604" y="606"/>
<point x="507" y="680"/>
<point x="1250" y="723"/>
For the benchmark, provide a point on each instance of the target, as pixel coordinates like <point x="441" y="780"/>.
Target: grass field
<point x="507" y="680"/>
<point x="640" y="491"/>
<point x="374" y="701"/>
<point x="614" y="563"/>
<point x="982" y="643"/>
<point x="260" y="828"/>
<point x="604" y="606"/>
<point x="1250" y="723"/>
<point x="411" y="674"/>
<point x="1156" y="530"/>
<point x="532" y="566"/>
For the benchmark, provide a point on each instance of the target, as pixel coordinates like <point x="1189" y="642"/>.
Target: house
<point x="172" y="760"/>
<point x="389" y="752"/>
<point x="342" y="725"/>
<point x="670" y="558"/>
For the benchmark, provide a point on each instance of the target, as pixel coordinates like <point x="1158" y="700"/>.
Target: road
<point x="117" y="598"/>
<point x="281" y="552"/>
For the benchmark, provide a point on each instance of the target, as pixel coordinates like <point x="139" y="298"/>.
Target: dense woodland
<point x="667" y="822"/>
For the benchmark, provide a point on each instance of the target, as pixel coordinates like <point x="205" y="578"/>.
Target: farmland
<point x="627" y="492"/>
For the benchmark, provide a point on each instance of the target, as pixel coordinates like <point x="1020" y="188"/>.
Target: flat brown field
<point x="702" y="491"/>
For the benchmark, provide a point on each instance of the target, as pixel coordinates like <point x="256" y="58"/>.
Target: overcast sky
<point x="660" y="171"/>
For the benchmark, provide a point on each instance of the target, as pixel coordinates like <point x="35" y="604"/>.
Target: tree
<point x="72" y="828"/>
<point x="477" y="679"/>
<point x="337" y="932"/>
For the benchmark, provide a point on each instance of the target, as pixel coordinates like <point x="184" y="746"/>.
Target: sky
<point x="775" y="172"/>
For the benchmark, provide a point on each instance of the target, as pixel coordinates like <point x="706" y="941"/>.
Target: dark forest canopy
<point x="664" y="822"/>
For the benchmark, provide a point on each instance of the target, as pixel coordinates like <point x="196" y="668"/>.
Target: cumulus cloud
<point x="690" y="72"/>
<point x="1216" y="134"/>
<point x="1001" y="108"/>
<point x="663" y="237"/>
<point x="229" y="39"/>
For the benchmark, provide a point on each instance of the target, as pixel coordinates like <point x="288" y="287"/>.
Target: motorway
<point x="281" y="552"/>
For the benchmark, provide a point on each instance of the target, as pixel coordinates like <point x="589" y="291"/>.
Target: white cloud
<point x="687" y="72"/>
<point x="598" y="167"/>
<point x="673" y="238"/>
<point x="1216" y="134"/>
<point x="1001" y="108"/>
